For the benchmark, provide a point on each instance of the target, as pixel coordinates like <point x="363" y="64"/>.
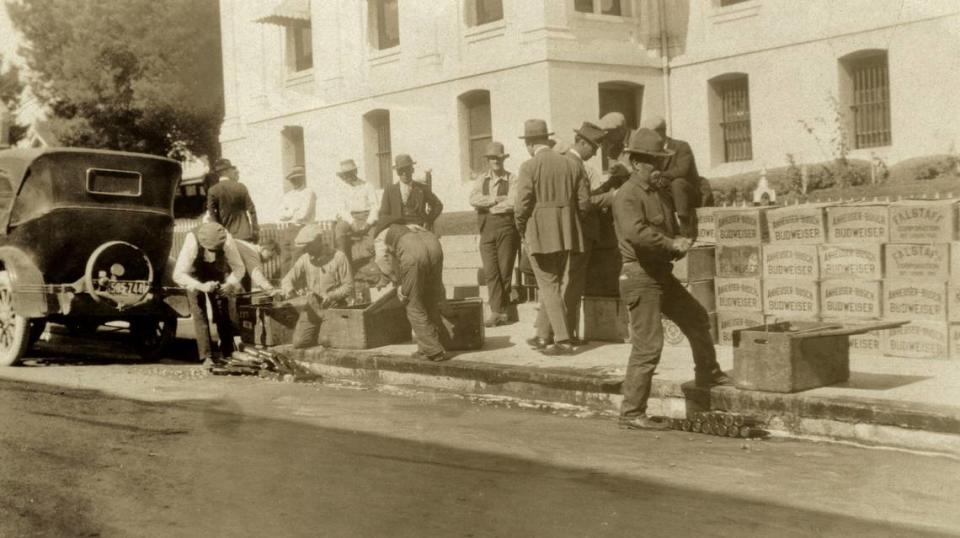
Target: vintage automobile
<point x="85" y="237"/>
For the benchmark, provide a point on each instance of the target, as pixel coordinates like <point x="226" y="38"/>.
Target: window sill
<point x="486" y="31"/>
<point x="384" y="56"/>
<point x="735" y="12"/>
<point x="299" y="77"/>
<point x="610" y="19"/>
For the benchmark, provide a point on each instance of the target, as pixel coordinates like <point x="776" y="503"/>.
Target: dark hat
<point x="222" y="165"/>
<point x="591" y="133"/>
<point x="403" y="161"/>
<point x="297" y="171"/>
<point x="648" y="142"/>
<point x="211" y="236"/>
<point x="347" y="167"/>
<point x="495" y="150"/>
<point x="535" y="129"/>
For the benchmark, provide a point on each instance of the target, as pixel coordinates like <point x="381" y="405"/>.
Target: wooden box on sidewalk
<point x="604" y="319"/>
<point x="380" y="323"/>
<point x="266" y="325"/>
<point x="463" y="321"/>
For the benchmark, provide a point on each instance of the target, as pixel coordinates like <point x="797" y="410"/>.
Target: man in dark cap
<point x="649" y="239"/>
<point x="494" y="196"/>
<point x="229" y="203"/>
<point x="210" y="268"/>
<point x="552" y="196"/>
<point x="408" y="201"/>
<point x="680" y="170"/>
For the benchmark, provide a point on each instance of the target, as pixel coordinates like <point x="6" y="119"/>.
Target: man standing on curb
<point x="494" y="197"/>
<point x="647" y="232"/>
<point x="229" y="203"/>
<point x="552" y="194"/>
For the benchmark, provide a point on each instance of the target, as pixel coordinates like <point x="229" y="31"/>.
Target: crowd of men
<point x="552" y="215"/>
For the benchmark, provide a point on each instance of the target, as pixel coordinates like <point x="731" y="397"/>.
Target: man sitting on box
<point x="322" y="274"/>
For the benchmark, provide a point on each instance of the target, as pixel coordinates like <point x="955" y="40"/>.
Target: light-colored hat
<point x="347" y="167"/>
<point x="211" y="235"/>
<point x="495" y="150"/>
<point x="297" y="171"/>
<point x="535" y="129"/>
<point x="654" y="123"/>
<point x="308" y="234"/>
<point x="611" y="121"/>
<point x="647" y="142"/>
<point x="403" y="161"/>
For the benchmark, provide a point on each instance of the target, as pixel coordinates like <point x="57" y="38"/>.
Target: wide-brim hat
<point x="308" y="234"/>
<point x="535" y="128"/>
<point x="495" y="151"/>
<point x="347" y="167"/>
<point x="591" y="133"/>
<point x="403" y="161"/>
<point x="222" y="165"/>
<point x="297" y="171"/>
<point x="654" y="123"/>
<point x="611" y="121"/>
<point x="647" y="142"/>
<point x="211" y="236"/>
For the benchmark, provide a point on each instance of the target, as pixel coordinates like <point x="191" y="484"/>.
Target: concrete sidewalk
<point x="907" y="403"/>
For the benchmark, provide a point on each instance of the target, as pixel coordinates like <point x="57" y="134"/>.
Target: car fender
<point x="29" y="297"/>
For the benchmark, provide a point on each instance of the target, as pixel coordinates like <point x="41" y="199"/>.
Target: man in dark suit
<point x="552" y="194"/>
<point x="229" y="203"/>
<point x="680" y="169"/>
<point x="409" y="202"/>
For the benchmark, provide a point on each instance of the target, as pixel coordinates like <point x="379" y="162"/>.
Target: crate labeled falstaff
<point x="917" y="260"/>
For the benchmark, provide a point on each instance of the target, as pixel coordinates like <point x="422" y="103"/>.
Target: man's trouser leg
<point x="643" y="297"/>
<point x="578" y="283"/>
<point x="197" y="302"/>
<point x="307" y="329"/>
<point x="693" y="321"/>
<point x="498" y="251"/>
<point x="551" y="270"/>
<point x="221" y="316"/>
<point x="685" y="201"/>
<point x="420" y="285"/>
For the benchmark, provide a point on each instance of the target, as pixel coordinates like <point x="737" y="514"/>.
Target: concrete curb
<point x="860" y="420"/>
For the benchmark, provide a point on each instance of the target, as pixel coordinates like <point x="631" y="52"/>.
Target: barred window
<point x="734" y="97"/>
<point x="870" y="101"/>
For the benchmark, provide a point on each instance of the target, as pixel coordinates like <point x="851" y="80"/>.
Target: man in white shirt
<point x="210" y="267"/>
<point x="359" y="206"/>
<point x="299" y="204"/>
<point x="254" y="256"/>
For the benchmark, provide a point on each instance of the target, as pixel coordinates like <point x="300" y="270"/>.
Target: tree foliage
<point x="11" y="87"/>
<point x="135" y="75"/>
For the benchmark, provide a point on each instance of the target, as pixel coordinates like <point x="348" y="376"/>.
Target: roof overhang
<point x="288" y="13"/>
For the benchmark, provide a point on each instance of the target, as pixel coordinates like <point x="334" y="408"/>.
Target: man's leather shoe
<point x="643" y="422"/>
<point x="713" y="379"/>
<point x="436" y="357"/>
<point x="577" y="341"/>
<point x="539" y="343"/>
<point x="495" y="320"/>
<point x="559" y="349"/>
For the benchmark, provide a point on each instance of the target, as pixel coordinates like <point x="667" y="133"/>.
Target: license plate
<point x="138" y="287"/>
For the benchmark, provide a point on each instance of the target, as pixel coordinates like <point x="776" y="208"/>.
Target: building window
<point x="299" y="47"/>
<point x="476" y="128"/>
<point x="377" y="138"/>
<point x="385" y="19"/>
<point x="292" y="152"/>
<point x="865" y="92"/>
<point x="602" y="7"/>
<point x="623" y="97"/>
<point x="730" y="106"/>
<point x="484" y="11"/>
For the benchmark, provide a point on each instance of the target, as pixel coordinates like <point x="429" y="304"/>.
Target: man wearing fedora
<point x="359" y="206"/>
<point x="229" y="203"/>
<point x="299" y="204"/>
<point x="494" y="197"/>
<point x="407" y="201"/>
<point x="552" y="195"/>
<point x="680" y="170"/>
<point x="649" y="239"/>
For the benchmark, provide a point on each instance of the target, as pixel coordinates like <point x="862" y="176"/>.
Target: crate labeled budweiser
<point x="917" y="340"/>
<point x="917" y="260"/>
<point x="727" y="322"/>
<point x="788" y="261"/>
<point x="914" y="299"/>
<point x="851" y="261"/>
<point x="850" y="299"/>
<point x="738" y="261"/>
<point x="923" y="221"/>
<point x="698" y="264"/>
<point x="797" y="225"/>
<point x="706" y="225"/>
<point x="741" y="225"/>
<point x="867" y="344"/>
<point x="791" y="298"/>
<point x="739" y="294"/>
<point x="858" y="223"/>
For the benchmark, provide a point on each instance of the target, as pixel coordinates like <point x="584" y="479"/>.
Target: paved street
<point x="114" y="448"/>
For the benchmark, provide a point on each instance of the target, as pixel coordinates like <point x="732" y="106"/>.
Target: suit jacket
<point x="598" y="220"/>
<point x="552" y="194"/>
<point x="681" y="164"/>
<point x="422" y="207"/>
<point x="229" y="204"/>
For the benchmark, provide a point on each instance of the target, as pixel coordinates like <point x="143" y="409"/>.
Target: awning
<point x="289" y="12"/>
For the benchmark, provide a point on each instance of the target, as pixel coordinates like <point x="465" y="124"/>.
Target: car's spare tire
<point x="120" y="273"/>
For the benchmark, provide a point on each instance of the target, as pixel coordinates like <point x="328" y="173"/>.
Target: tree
<point x="11" y="87"/>
<point x="136" y="75"/>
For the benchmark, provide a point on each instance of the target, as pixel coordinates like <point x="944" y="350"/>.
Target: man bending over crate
<point x="322" y="275"/>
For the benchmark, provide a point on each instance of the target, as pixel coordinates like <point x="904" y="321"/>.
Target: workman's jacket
<point x="645" y="222"/>
<point x="331" y="280"/>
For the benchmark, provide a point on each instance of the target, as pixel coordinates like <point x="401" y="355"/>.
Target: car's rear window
<point x="114" y="182"/>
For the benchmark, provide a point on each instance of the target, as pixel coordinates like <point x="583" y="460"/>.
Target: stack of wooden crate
<point x="740" y="233"/>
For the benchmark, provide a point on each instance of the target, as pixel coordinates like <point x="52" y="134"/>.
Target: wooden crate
<point x="266" y="325"/>
<point x="463" y="324"/>
<point x="858" y="223"/>
<point x="738" y="261"/>
<point x="790" y="261"/>
<point x="365" y="326"/>
<point x="798" y="225"/>
<point x="917" y="260"/>
<point x="698" y="264"/>
<point x="604" y="319"/>
<point x="851" y="261"/>
<point x="923" y="221"/>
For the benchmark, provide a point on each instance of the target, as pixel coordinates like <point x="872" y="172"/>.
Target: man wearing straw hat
<point x="494" y="196"/>
<point x="357" y="213"/>
<point x="649" y="240"/>
<point x="299" y="204"/>
<point x="552" y="194"/>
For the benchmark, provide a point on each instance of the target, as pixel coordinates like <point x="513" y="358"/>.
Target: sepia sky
<point x="8" y="38"/>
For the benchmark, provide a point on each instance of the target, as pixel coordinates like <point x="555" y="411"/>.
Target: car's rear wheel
<point x="14" y="328"/>
<point x="151" y="336"/>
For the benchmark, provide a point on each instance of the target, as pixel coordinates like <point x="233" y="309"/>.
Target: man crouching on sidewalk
<point x="322" y="273"/>
<point x="648" y="235"/>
